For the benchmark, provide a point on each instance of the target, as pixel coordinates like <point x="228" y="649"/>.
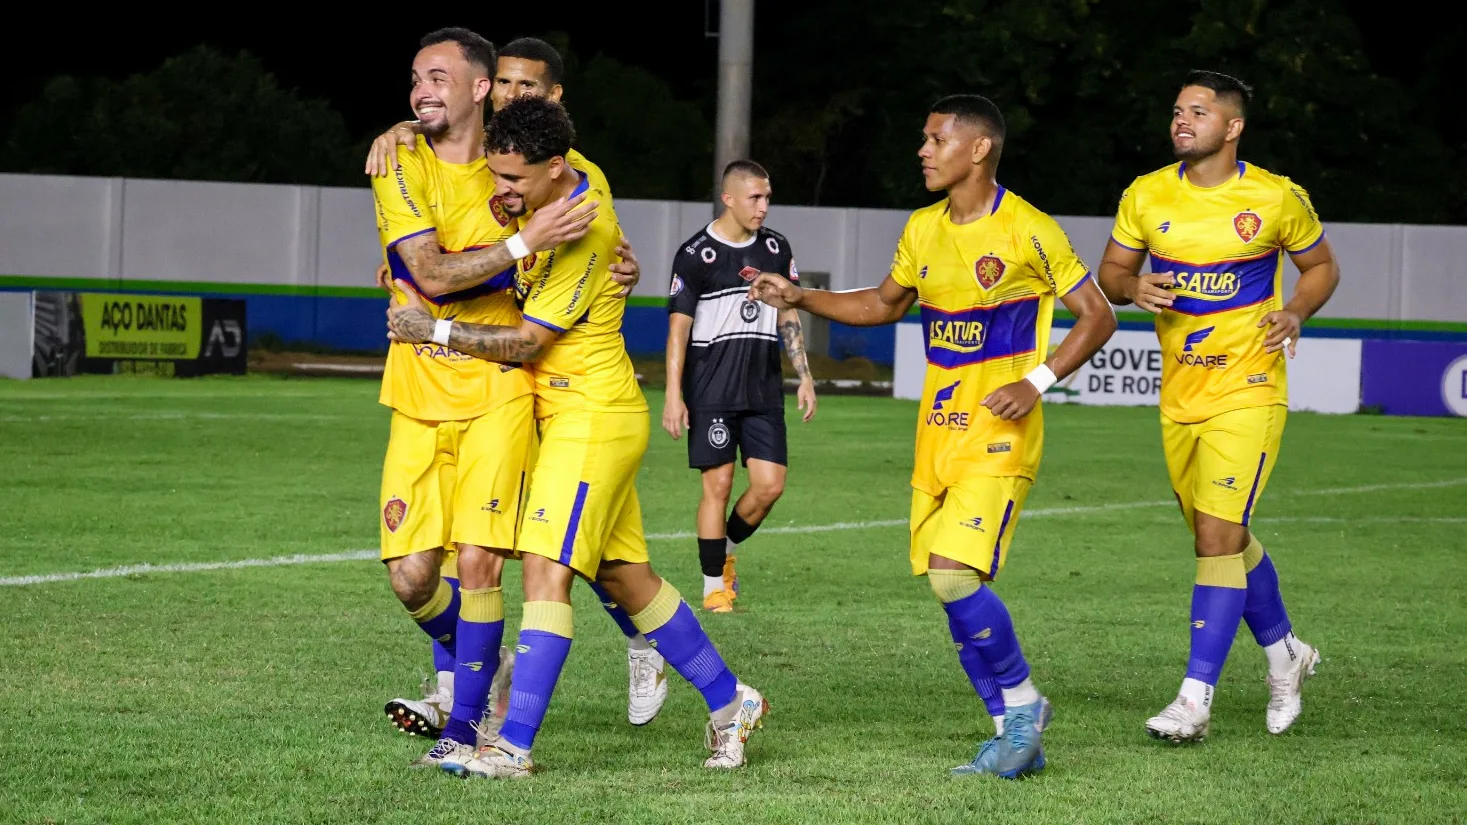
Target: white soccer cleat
<point x="443" y="753"/>
<point x="1181" y="721"/>
<point x="498" y="705"/>
<point x="647" y="688"/>
<point x="489" y="762"/>
<point x="1284" y="700"/>
<point x="426" y="716"/>
<point x="726" y="737"/>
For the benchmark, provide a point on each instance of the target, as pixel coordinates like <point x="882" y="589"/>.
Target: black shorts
<point x="714" y="436"/>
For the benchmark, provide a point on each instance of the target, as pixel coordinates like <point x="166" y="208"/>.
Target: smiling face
<point x="446" y="88"/>
<point x="522" y="186"/>
<point x="1202" y="123"/>
<point x="517" y="76"/>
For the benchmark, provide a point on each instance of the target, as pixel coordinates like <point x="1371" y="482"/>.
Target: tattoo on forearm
<point x="413" y="325"/>
<point x="455" y="271"/>
<point x="493" y="343"/>
<point x="794" y="343"/>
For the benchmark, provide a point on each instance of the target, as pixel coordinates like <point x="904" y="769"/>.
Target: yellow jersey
<point x="569" y="290"/>
<point x="428" y="195"/>
<point x="1224" y="245"/>
<point x="986" y="291"/>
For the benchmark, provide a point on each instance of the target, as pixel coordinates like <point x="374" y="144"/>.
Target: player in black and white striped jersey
<point x="725" y="384"/>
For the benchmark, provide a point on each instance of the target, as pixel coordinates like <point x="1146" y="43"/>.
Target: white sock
<point x="1197" y="691"/>
<point x="445" y="681"/>
<point x="998" y="726"/>
<point x="712" y="583"/>
<point x="1282" y="654"/>
<point x="730" y="544"/>
<point x="638" y="642"/>
<point x="1023" y="694"/>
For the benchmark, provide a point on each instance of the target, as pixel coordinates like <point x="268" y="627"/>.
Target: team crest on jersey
<point x="1247" y="224"/>
<point x="749" y="273"/>
<point x="988" y="270"/>
<point x="677" y="286"/>
<point x="498" y="210"/>
<point x="394" y="513"/>
<point x="527" y="263"/>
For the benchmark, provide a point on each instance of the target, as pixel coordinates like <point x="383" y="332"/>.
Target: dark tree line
<point x="839" y="102"/>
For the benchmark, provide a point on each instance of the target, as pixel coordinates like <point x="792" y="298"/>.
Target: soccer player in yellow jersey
<point x="525" y="66"/>
<point x="986" y="267"/>
<point x="582" y="516"/>
<point x="457" y="454"/>
<point x="1216" y="230"/>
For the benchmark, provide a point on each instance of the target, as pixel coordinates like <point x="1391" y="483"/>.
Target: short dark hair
<point x="1222" y="85"/>
<point x="537" y="127"/>
<point x="476" y="49"/>
<point x="974" y="110"/>
<point x="533" y="48"/>
<point x="743" y="167"/>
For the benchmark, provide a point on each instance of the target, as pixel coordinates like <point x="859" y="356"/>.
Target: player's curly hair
<point x="537" y="127"/>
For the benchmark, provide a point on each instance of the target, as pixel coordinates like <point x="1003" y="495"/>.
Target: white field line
<point x="359" y="555"/>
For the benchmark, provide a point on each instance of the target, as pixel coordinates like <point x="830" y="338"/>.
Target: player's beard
<point x="1199" y="149"/>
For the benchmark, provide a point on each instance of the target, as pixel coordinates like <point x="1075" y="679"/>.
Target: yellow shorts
<point x="455" y="481"/>
<point x="1220" y="466"/>
<point x="971" y="523"/>
<point x="582" y="507"/>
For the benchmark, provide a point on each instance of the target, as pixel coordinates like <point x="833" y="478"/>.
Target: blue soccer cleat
<point x="1020" y="749"/>
<point x="987" y="759"/>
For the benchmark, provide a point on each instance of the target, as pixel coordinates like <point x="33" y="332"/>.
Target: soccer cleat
<point x="422" y="717"/>
<point x="647" y="689"/>
<point x="1181" y="721"/>
<point x="1284" y="702"/>
<point x="489" y="762"/>
<point x="719" y="601"/>
<point x="443" y="752"/>
<point x="1021" y="748"/>
<point x="727" y="737"/>
<point x="730" y="578"/>
<point x="498" y="705"/>
<point x="986" y="761"/>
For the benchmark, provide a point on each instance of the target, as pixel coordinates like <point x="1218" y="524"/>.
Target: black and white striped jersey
<point x="733" y="353"/>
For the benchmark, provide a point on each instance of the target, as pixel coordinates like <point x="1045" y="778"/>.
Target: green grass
<point x="255" y="694"/>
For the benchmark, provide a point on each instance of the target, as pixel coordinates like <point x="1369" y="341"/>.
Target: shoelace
<point x="1177" y="712"/>
<point x="1014" y="724"/>
<point x="1278" y="691"/>
<point x="643" y="677"/>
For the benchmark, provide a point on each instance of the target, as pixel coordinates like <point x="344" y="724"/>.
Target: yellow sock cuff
<point x="1252" y="554"/>
<point x="1222" y="571"/>
<point x="436" y="605"/>
<point x="548" y="617"/>
<point x="954" y="585"/>
<point x="483" y="606"/>
<point x="660" y="610"/>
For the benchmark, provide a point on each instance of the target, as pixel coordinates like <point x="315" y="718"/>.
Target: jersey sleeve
<point x="903" y="264"/>
<point x="1299" y="226"/>
<point x="402" y="203"/>
<point x="1127" y="230"/>
<point x="563" y="296"/>
<point x="787" y="262"/>
<point x="687" y="284"/>
<point x="1052" y="256"/>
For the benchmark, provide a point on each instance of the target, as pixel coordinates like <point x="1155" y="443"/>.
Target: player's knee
<point x="1215" y="537"/>
<point x="767" y="491"/>
<point x="414" y="579"/>
<point x="718" y="485"/>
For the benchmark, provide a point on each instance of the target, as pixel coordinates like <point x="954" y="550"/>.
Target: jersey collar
<point x="725" y="241"/>
<point x="1182" y="176"/>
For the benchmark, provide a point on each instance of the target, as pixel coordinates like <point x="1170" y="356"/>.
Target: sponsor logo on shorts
<point x="492" y="506"/>
<point x="1000" y="447"/>
<point x="539" y="515"/>
<point x="1226" y="483"/>
<point x="560" y="383"/>
<point x="393" y="513"/>
<point x="1259" y="378"/>
<point x="974" y="523"/>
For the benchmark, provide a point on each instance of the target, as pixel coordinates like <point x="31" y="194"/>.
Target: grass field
<point x="254" y="693"/>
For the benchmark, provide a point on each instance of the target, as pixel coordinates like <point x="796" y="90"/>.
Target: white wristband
<point x="517" y="246"/>
<point x="441" y="331"/>
<point x="1042" y="377"/>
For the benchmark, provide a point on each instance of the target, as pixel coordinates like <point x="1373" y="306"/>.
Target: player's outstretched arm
<point x="793" y="336"/>
<point x="382" y="157"/>
<point x="439" y="273"/>
<point x="870" y="307"/>
<point x="1095" y="321"/>
<point x="411" y="323"/>
<point x="1122" y="283"/>
<point x="1319" y="274"/>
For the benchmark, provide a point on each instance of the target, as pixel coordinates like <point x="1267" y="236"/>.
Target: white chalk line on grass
<point x="359" y="555"/>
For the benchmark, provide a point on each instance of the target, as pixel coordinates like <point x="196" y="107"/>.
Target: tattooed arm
<point x="439" y="273"/>
<point x="794" y="343"/>
<point x="411" y="323"/>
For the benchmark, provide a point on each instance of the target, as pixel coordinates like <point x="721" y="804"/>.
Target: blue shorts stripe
<point x="573" y="524"/>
